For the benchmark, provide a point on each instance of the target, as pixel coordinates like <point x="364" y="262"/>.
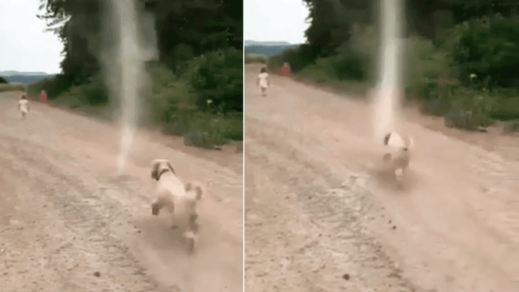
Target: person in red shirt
<point x="43" y="96"/>
<point x="285" y="70"/>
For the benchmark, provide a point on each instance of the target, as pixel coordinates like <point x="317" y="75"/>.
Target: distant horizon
<point x="270" y="41"/>
<point x="2" y="72"/>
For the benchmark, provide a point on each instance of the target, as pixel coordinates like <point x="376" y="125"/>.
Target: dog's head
<point x="398" y="153"/>
<point x="395" y="140"/>
<point x="159" y="166"/>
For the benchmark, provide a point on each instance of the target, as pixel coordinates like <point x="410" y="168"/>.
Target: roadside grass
<point x="13" y="87"/>
<point x="255" y="58"/>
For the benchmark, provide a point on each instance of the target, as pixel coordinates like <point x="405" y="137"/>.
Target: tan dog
<point x="397" y="155"/>
<point x="176" y="197"/>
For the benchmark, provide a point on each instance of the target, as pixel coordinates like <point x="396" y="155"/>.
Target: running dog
<point x="176" y="197"/>
<point x="397" y="156"/>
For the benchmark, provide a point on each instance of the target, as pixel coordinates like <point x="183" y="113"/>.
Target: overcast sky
<point x="23" y="44"/>
<point x="275" y="20"/>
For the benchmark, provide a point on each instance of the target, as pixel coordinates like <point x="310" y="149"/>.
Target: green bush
<point x="217" y="81"/>
<point x="91" y="94"/>
<point x="470" y="109"/>
<point x="511" y="127"/>
<point x="172" y="107"/>
<point x="486" y="47"/>
<point x="429" y="71"/>
<point x="507" y="108"/>
<point x="209" y="130"/>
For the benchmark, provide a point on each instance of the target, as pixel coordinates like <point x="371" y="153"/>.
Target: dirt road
<point x="320" y="217"/>
<point x="69" y="222"/>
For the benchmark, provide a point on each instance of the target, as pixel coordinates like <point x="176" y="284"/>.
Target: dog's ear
<point x="386" y="139"/>
<point x="171" y="167"/>
<point x="155" y="170"/>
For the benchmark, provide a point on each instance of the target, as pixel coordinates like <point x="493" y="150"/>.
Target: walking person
<point x="23" y="105"/>
<point x="263" y="81"/>
<point x="43" y="96"/>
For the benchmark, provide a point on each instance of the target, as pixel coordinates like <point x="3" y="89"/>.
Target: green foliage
<point x="470" y="109"/>
<point x="217" y="81"/>
<point x="353" y="61"/>
<point x="209" y="130"/>
<point x="511" y="127"/>
<point x="13" y="87"/>
<point x="486" y="47"/>
<point x="431" y="78"/>
<point x="90" y="94"/>
<point x="507" y="108"/>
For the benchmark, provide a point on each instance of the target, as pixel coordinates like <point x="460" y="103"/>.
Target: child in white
<point x="23" y="106"/>
<point x="263" y="80"/>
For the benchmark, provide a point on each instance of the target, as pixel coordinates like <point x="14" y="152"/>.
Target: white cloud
<point x="275" y="20"/>
<point x="24" y="46"/>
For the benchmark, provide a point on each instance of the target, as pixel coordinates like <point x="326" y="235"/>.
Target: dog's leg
<point x="399" y="174"/>
<point x="156" y="206"/>
<point x="191" y="232"/>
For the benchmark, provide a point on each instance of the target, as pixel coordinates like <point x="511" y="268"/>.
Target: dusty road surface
<point x="69" y="222"/>
<point x="320" y="216"/>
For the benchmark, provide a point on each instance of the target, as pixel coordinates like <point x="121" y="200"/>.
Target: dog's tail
<point x="199" y="188"/>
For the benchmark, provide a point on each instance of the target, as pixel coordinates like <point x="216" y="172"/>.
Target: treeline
<point x="267" y="50"/>
<point x="461" y="56"/>
<point x="197" y="79"/>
